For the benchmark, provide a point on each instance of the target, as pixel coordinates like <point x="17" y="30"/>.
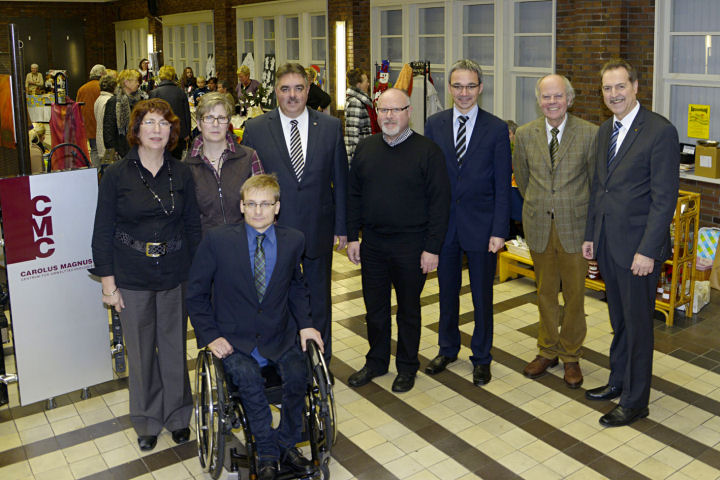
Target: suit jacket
<point x="315" y="205"/>
<point x="564" y="190"/>
<point x="222" y="300"/>
<point x="635" y="199"/>
<point x="480" y="206"/>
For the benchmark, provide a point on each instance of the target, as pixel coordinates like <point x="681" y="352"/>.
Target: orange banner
<point x="7" y="126"/>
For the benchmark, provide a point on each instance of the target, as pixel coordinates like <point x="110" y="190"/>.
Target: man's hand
<point x="642" y="265"/>
<point x="587" y="250"/>
<point x="220" y="347"/>
<point x="353" y="252"/>
<point x="428" y="262"/>
<point x="310" y="333"/>
<point x="341" y="241"/>
<point x="495" y="244"/>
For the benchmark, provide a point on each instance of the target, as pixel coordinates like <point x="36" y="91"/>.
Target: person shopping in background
<point x="360" y="116"/>
<point x="219" y="165"/>
<point x="107" y="87"/>
<point x="168" y="91"/>
<point x="116" y="122"/>
<point x="147" y="229"/>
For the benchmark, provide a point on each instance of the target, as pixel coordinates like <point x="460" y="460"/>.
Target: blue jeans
<point x="244" y="372"/>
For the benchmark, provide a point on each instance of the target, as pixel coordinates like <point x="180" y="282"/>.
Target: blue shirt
<point x="270" y="247"/>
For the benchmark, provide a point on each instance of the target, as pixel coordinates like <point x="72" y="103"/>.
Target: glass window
<point x="488" y="94"/>
<point x="683" y="95"/>
<point x="317" y="25"/>
<point x="391" y="22"/>
<point x="269" y="29"/>
<point x="533" y="17"/>
<point x="526" y="108"/>
<point x="318" y="40"/>
<point x="292" y="35"/>
<point x="478" y="41"/>
<point x="431" y="34"/>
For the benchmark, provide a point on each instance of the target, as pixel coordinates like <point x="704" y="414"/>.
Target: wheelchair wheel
<point x="321" y="406"/>
<point x="210" y="405"/>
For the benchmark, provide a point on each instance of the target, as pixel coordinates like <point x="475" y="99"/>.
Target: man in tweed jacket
<point x="553" y="165"/>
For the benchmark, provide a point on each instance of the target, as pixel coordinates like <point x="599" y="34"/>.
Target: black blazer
<point x="316" y="205"/>
<point x="178" y="100"/>
<point x="634" y="201"/>
<point x="222" y="300"/>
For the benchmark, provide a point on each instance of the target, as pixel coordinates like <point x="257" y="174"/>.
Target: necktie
<point x="259" y="269"/>
<point x="554" y="146"/>
<point x="296" y="153"/>
<point x="613" y="143"/>
<point x="460" y="146"/>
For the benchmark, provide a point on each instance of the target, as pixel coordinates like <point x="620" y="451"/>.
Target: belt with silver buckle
<point x="150" y="249"/>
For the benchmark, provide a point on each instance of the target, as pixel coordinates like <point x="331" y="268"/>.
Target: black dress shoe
<point x="147" y="442"/>
<point x="404" y="382"/>
<point x="481" y="374"/>
<point x="621" y="416"/>
<point x="362" y="377"/>
<point x="607" y="392"/>
<point x="181" y="436"/>
<point x="438" y="364"/>
<point x="294" y="461"/>
<point x="267" y="470"/>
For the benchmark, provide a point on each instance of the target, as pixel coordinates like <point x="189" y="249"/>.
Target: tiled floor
<point x="445" y="428"/>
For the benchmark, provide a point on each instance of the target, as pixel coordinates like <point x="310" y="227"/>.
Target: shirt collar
<point x="629" y="118"/>
<point x="400" y="138"/>
<point x="252" y="234"/>
<point x="197" y="150"/>
<point x="560" y="128"/>
<point x="302" y="118"/>
<point x="472" y="114"/>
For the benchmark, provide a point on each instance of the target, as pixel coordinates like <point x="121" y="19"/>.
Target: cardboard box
<point x="706" y="159"/>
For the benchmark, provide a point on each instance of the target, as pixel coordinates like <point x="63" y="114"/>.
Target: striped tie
<point x="460" y="146"/>
<point x="613" y="143"/>
<point x="296" y="153"/>
<point x="259" y="267"/>
<point x="554" y="146"/>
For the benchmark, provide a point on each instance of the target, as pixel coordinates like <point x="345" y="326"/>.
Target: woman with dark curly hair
<point x="147" y="228"/>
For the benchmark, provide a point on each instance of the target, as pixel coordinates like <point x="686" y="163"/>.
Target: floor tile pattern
<point x="445" y="428"/>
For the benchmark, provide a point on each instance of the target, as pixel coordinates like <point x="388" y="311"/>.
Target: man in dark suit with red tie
<point x="632" y="202"/>
<point x="248" y="301"/>
<point x="306" y="150"/>
<point x="477" y="155"/>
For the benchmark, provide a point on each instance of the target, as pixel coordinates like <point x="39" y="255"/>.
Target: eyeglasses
<point x="210" y="120"/>
<point x="459" y="88"/>
<point x="152" y="123"/>
<point x="263" y="205"/>
<point x="396" y="110"/>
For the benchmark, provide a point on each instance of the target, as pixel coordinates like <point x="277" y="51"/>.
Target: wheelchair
<point x="219" y="411"/>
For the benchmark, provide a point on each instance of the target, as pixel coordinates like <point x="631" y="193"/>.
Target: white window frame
<point x="303" y="9"/>
<point x="134" y="33"/>
<point x="172" y="41"/>
<point x="664" y="79"/>
<point x="505" y="74"/>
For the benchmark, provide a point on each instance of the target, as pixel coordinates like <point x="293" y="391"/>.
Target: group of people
<point x="208" y="238"/>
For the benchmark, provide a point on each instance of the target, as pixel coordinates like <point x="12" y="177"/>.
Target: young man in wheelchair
<point x="248" y="302"/>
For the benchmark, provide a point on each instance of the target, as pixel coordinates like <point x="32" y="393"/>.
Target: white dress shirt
<point x="303" y="121"/>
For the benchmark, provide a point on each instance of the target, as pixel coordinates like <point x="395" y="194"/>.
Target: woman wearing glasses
<point x="147" y="228"/>
<point x="171" y="93"/>
<point x="219" y="165"/>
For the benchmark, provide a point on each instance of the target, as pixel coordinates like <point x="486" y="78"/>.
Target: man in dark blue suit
<point x="306" y="150"/>
<point x="477" y="154"/>
<point x="632" y="201"/>
<point x="248" y="302"/>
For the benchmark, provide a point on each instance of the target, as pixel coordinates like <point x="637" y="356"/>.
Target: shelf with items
<point x="681" y="267"/>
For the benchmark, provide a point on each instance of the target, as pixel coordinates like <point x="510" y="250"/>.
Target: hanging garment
<point x="66" y="126"/>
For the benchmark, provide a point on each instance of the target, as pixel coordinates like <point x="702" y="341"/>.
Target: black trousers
<point x="631" y="305"/>
<point x="317" y="273"/>
<point x="387" y="263"/>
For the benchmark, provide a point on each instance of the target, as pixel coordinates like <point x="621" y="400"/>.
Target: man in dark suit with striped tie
<point x="306" y="150"/>
<point x="476" y="146"/>
<point x="632" y="201"/>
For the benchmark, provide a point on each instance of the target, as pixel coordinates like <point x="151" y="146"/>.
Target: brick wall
<point x="591" y="32"/>
<point x="709" y="200"/>
<point x="95" y="17"/>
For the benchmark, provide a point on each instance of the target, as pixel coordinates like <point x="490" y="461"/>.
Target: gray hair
<point x="466" y="64"/>
<point x="34" y="65"/>
<point x="210" y="100"/>
<point x="108" y="83"/>
<point x="97" y="71"/>
<point x="569" y="90"/>
<point x="403" y="92"/>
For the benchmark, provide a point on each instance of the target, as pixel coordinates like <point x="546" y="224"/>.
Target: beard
<point x="390" y="129"/>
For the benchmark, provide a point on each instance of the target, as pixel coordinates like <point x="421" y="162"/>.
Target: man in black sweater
<point x="399" y="196"/>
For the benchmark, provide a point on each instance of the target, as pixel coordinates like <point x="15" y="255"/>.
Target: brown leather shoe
<point x="573" y="374"/>
<point x="537" y="367"/>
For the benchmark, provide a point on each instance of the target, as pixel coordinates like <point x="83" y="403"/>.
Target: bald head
<point x="554" y="95"/>
<point x="394" y="110"/>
